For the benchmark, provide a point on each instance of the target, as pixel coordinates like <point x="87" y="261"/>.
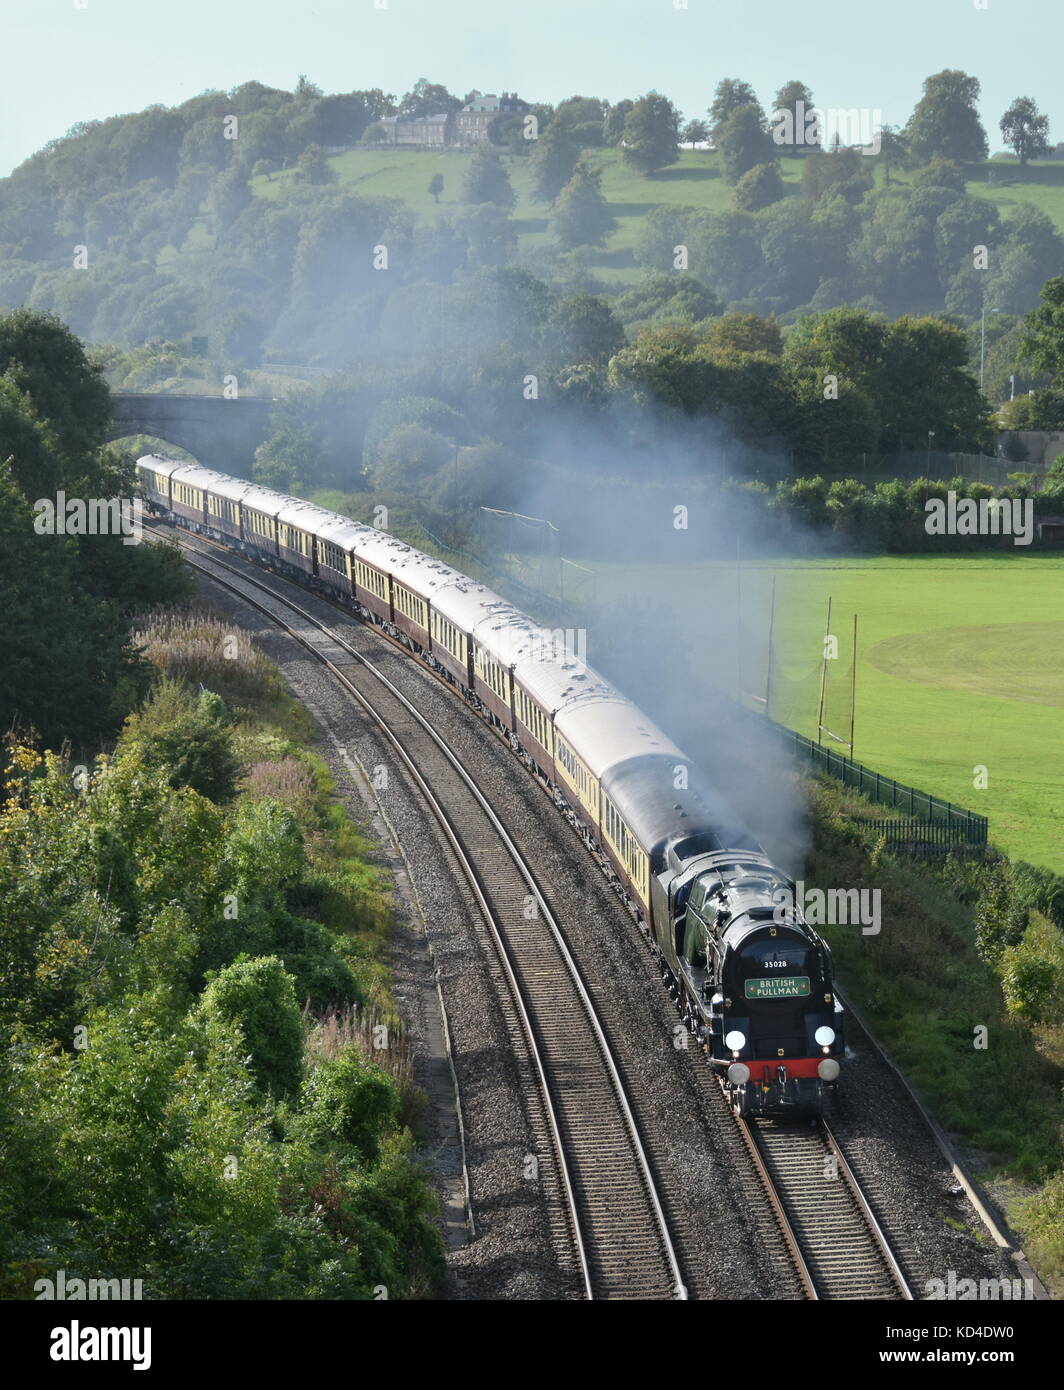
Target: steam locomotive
<point x="752" y="981"/>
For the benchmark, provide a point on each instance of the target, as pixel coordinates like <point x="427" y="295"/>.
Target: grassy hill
<point x="696" y="180"/>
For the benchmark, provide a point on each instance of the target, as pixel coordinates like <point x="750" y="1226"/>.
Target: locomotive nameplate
<point x="778" y="987"/>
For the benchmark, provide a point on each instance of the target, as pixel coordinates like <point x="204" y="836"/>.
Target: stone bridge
<point x="218" y="432"/>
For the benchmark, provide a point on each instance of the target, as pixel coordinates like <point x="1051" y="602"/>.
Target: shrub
<point x="259" y="995"/>
<point x="349" y="1100"/>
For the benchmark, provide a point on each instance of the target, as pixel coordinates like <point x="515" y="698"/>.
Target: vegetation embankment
<point x="203" y="1082"/>
<point x="964" y="986"/>
<point x="206" y="1085"/>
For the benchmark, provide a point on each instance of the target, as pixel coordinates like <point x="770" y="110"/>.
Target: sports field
<point x="960" y="665"/>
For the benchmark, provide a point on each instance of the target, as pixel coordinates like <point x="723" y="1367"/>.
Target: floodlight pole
<point x="739" y="617"/>
<point x="771" y="630"/>
<point x="853" y="684"/>
<point x="823" y="677"/>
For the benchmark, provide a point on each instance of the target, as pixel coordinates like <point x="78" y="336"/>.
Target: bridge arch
<point x="221" y="433"/>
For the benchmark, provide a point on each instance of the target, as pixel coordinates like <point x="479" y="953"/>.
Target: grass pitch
<point x="960" y="666"/>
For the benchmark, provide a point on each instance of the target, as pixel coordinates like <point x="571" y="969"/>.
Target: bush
<point x="759" y="188"/>
<point x="1000" y="914"/>
<point x="349" y="1100"/>
<point x="189" y="738"/>
<point x="259" y="995"/>
<point x="1032" y="975"/>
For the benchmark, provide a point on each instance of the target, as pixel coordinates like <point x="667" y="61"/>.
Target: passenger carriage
<point x="259" y="510"/>
<point x="374" y="555"/>
<point x="189" y="486"/>
<point x="154" y="474"/>
<point x="457" y="607"/>
<point x="595" y="736"/>
<point x="500" y="638"/>
<point x="334" y="541"/>
<point x="545" y="681"/>
<point x="298" y="524"/>
<point x="224" y="497"/>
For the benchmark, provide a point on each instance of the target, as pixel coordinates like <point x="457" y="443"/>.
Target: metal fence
<point x="938" y="466"/>
<point x="924" y="838"/>
<point x="958" y="825"/>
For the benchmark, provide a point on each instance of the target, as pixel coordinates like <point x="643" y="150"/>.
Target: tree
<point x="28" y="444"/>
<point x="229" y="195"/>
<point x="1043" y="332"/>
<point x="487" y="181"/>
<point x="759" y="187"/>
<point x="46" y="360"/>
<point x="553" y="163"/>
<point x="695" y="132"/>
<point x="893" y="150"/>
<point x="436" y="186"/>
<point x="651" y="133"/>
<point x="946" y="122"/>
<point x="731" y="94"/>
<point x="307" y="90"/>
<point x="583" y="328"/>
<point x="582" y="216"/>
<point x="399" y="410"/>
<point x="743" y="142"/>
<point x="341" y="119"/>
<point x="926" y="384"/>
<point x="287" y="459"/>
<point x="67" y="667"/>
<point x="427" y="98"/>
<point x="407" y="457"/>
<point x="509" y="132"/>
<point x="489" y="234"/>
<point x="582" y="119"/>
<point x="668" y="296"/>
<point x="312" y="167"/>
<point x="613" y="123"/>
<point x="791" y="109"/>
<point x="745" y="333"/>
<point x="845" y="172"/>
<point x="839" y="429"/>
<point x="1025" y="130"/>
<point x="847" y="343"/>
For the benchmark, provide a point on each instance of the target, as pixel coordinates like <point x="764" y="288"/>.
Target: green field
<point x="960" y="664"/>
<point x="695" y="181"/>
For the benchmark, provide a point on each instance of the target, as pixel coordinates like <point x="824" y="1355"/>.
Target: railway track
<point x="837" y="1245"/>
<point x="603" y="1189"/>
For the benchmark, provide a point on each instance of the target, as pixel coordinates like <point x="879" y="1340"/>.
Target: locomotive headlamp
<point x="735" y="1041"/>
<point x="738" y="1073"/>
<point x="828" y="1069"/>
<point x="825" y="1036"/>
